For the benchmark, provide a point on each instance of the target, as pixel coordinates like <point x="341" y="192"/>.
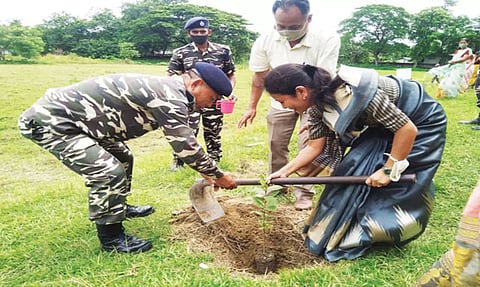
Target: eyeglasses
<point x="199" y="32"/>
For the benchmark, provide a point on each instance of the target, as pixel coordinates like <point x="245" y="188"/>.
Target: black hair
<point x="302" y="5"/>
<point x="285" y="78"/>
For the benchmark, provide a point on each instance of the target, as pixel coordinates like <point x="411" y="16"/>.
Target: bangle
<point x="398" y="167"/>
<point x="391" y="157"/>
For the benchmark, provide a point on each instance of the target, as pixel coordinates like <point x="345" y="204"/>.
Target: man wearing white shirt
<point x="290" y="42"/>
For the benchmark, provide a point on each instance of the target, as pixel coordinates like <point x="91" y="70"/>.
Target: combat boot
<point x="472" y="122"/>
<point x="113" y="238"/>
<point x="138" y="211"/>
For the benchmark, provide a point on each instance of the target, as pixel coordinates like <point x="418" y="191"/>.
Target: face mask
<point x="462" y="46"/>
<point x="292" y="35"/>
<point x="199" y="40"/>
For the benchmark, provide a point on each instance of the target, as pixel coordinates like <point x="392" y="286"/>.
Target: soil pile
<point x="236" y="238"/>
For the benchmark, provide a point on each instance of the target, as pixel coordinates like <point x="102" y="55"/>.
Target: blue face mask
<point x="462" y="46"/>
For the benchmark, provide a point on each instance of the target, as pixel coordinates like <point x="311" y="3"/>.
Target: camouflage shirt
<point x="119" y="107"/>
<point x="184" y="58"/>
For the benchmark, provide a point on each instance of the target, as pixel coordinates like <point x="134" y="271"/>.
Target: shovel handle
<point x="406" y="178"/>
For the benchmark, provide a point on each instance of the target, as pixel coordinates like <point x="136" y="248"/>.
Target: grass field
<point x="47" y="240"/>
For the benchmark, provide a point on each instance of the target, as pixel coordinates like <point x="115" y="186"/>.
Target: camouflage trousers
<point x="212" y="122"/>
<point x="105" y="166"/>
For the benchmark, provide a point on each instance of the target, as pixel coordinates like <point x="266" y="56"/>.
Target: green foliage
<point x="128" y="51"/>
<point x="437" y="32"/>
<point x="373" y="34"/>
<point x="18" y="40"/>
<point x="377" y="27"/>
<point x="266" y="199"/>
<point x="158" y="29"/>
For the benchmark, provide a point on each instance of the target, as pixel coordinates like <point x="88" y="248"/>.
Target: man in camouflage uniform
<point x="85" y="126"/>
<point x="183" y="59"/>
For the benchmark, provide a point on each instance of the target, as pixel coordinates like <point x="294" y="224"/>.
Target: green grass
<point x="47" y="240"/>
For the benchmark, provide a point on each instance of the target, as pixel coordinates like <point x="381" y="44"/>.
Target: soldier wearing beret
<point x="85" y="126"/>
<point x="182" y="60"/>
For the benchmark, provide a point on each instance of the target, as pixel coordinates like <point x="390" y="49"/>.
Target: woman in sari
<point x="363" y="124"/>
<point x="453" y="74"/>
<point x="460" y="266"/>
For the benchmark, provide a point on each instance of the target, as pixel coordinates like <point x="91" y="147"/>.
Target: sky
<point x="326" y="14"/>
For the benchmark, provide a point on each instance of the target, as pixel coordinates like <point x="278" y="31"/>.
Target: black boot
<point x="138" y="211"/>
<point x="472" y="122"/>
<point x="113" y="238"/>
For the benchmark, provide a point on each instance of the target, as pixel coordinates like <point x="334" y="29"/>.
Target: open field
<point x="46" y="238"/>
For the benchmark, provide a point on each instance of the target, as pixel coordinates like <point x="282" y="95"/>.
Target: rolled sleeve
<point x="384" y="112"/>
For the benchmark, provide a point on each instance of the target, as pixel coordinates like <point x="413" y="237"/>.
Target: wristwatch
<point x="387" y="171"/>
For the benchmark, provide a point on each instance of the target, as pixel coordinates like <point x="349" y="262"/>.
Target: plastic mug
<point x="225" y="106"/>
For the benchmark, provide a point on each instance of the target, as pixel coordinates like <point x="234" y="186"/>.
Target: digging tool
<point x="208" y="208"/>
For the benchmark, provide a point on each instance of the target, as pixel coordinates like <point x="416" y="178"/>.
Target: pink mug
<point x="226" y="106"/>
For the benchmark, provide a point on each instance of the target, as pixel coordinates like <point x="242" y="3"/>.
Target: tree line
<point x="147" y="29"/>
<point x="383" y="33"/>
<point x="153" y="28"/>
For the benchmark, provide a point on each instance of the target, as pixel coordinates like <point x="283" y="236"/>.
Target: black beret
<point x="214" y="77"/>
<point x="196" y="22"/>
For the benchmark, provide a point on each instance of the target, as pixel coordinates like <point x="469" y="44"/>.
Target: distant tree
<point x="62" y="33"/>
<point x="19" y="40"/>
<point x="128" y="51"/>
<point x="377" y="27"/>
<point x="156" y="29"/>
<point x="352" y="52"/>
<point x="147" y="24"/>
<point x="436" y="33"/>
<point x="103" y="35"/>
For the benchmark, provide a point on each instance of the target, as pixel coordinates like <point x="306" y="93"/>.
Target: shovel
<point x="208" y="208"/>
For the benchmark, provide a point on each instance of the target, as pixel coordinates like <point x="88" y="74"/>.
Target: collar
<point x="191" y="101"/>
<point x="195" y="48"/>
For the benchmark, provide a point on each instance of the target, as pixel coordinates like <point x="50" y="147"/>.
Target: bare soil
<point x="236" y="238"/>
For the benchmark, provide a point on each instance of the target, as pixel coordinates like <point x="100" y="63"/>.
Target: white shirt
<point x="316" y="49"/>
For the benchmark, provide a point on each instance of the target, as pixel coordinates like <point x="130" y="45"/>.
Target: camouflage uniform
<point x="85" y="126"/>
<point x="183" y="60"/>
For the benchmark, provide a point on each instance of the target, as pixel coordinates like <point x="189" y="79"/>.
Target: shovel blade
<point x="204" y="203"/>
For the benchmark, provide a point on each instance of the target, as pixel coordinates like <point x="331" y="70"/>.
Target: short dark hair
<point x="303" y="5"/>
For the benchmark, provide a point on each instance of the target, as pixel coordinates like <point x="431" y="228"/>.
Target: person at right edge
<point x="459" y="266"/>
<point x="290" y="42"/>
<point x="476" y="121"/>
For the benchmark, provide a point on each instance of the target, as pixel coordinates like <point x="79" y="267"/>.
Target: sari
<point x="349" y="220"/>
<point x="452" y="74"/>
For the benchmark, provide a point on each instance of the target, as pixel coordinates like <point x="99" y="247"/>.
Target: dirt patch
<point x="236" y="238"/>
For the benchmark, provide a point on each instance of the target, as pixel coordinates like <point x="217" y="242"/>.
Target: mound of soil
<point x="236" y="238"/>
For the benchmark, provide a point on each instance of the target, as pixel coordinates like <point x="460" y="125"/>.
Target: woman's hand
<point x="378" y="179"/>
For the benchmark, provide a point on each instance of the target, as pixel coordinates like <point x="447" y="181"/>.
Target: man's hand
<point x="226" y="181"/>
<point x="247" y="118"/>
